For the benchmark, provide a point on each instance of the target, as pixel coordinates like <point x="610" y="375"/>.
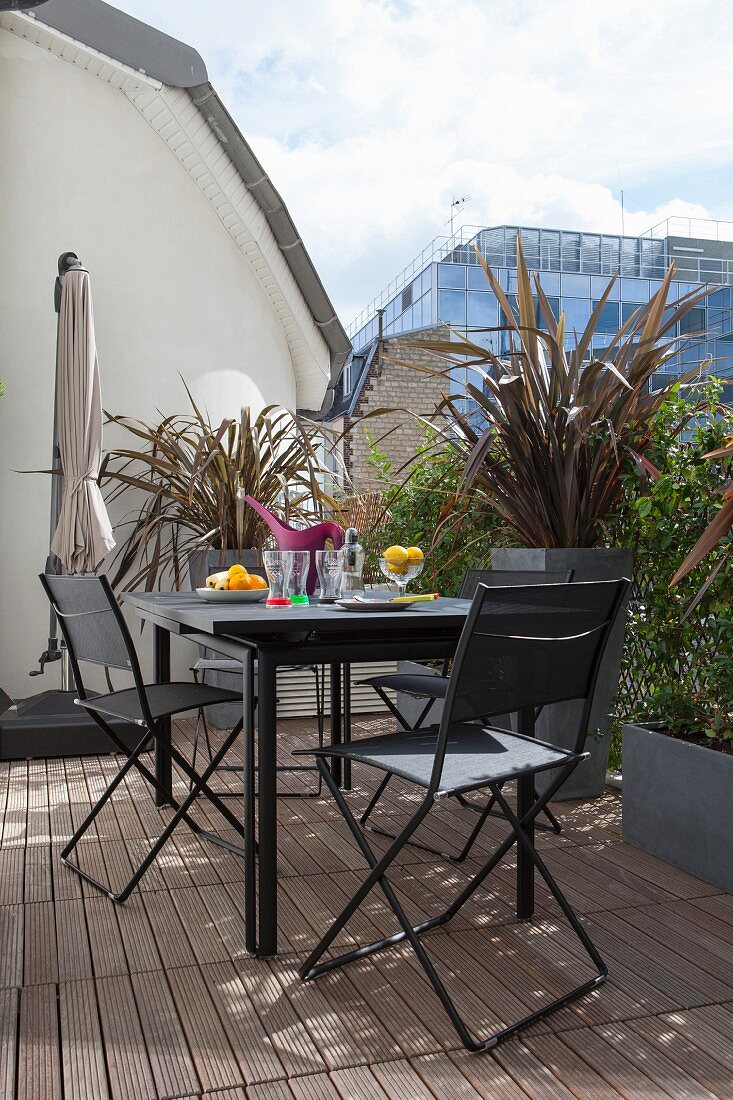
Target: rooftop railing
<point x="568" y="252"/>
<point x="706" y="229"/>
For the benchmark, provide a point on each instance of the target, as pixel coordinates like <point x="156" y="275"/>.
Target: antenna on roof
<point x="456" y="203"/>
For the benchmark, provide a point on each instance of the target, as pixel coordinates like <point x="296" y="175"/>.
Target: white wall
<point x="80" y="169"/>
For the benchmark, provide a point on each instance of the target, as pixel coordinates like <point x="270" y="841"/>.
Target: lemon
<point x="234" y="569"/>
<point x="395" y="555"/>
<point x="414" y="553"/>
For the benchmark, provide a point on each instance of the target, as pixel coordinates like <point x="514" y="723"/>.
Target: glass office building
<point x="447" y="284"/>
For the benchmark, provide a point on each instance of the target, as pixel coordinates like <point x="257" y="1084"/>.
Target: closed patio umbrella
<point x="83" y="534"/>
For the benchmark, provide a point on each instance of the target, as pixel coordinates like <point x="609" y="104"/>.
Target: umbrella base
<point x="50" y="724"/>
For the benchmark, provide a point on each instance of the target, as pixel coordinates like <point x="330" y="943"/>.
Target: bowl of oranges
<point x="234" y="585"/>
<point x="401" y="564"/>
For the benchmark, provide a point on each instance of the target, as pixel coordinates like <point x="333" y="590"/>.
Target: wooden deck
<point x="157" y="998"/>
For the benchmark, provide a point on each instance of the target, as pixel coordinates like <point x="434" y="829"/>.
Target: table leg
<point x="525" y="801"/>
<point x="162" y="674"/>
<point x="336" y="729"/>
<point x="347" y="724"/>
<point x="267" y="802"/>
<point x="250" y="843"/>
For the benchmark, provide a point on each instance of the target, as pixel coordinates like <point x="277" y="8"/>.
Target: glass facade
<point x="574" y="269"/>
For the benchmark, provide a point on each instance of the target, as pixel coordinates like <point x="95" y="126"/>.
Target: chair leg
<point x="312" y="968"/>
<point x="181" y="813"/>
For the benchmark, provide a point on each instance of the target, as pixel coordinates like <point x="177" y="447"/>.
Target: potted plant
<point x="545" y="445"/>
<point x="187" y="479"/>
<point x="678" y="692"/>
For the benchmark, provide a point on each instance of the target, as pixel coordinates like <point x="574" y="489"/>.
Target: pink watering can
<point x="307" y="538"/>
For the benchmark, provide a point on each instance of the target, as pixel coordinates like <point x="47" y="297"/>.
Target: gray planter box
<point x="557" y="723"/>
<point x="676" y="804"/>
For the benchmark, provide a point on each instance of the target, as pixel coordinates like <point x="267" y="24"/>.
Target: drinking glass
<point x="278" y="566"/>
<point x="299" y="576"/>
<point x="401" y="572"/>
<point x="329" y="567"/>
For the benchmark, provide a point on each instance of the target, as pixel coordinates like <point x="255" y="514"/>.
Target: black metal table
<point x="317" y="634"/>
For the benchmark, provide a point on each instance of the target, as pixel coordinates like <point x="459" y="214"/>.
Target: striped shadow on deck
<point x="157" y="999"/>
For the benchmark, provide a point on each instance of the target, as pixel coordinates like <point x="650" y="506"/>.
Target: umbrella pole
<point x="49" y="724"/>
<point x="55" y="651"/>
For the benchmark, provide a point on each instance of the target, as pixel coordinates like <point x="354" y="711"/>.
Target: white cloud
<point x="370" y="115"/>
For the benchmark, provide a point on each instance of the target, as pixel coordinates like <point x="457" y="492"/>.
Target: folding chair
<point x="214" y="663"/>
<point x="95" y="631"/>
<point x="540" y="645"/>
<point x="435" y="688"/>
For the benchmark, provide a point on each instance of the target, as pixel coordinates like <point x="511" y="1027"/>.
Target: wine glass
<point x="401" y="572"/>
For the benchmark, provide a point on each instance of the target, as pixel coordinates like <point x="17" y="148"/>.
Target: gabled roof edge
<point x="158" y="55"/>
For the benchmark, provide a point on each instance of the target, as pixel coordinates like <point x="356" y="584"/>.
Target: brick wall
<point x="397" y="435"/>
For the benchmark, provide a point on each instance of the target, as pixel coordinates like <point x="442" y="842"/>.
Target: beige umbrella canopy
<point x="83" y="534"/>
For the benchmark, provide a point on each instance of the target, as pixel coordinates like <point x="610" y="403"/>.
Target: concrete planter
<point x="676" y="802"/>
<point x="557" y="723"/>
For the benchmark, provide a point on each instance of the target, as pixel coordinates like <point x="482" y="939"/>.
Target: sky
<point x="372" y="116"/>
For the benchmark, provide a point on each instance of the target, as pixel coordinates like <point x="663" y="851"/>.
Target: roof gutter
<point x="260" y="185"/>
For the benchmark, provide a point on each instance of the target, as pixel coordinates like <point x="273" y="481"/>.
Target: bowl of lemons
<point x="401" y="564"/>
<point x="234" y="585"/>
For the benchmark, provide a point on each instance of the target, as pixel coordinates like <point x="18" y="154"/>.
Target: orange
<point x="234" y="569"/>
<point x="257" y="582"/>
<point x="240" y="582"/>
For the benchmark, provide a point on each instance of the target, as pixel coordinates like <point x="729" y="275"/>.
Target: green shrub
<point x="425" y="509"/>
<point x="677" y="667"/>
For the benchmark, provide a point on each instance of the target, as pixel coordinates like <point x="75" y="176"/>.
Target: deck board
<point x="158" y="1000"/>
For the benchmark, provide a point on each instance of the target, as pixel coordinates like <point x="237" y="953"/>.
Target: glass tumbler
<point x="329" y="567"/>
<point x="278" y="566"/>
<point x="299" y="576"/>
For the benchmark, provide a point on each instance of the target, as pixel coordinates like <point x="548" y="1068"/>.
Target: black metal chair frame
<point x="150" y="727"/>
<point x="521" y="822"/>
<point x="471" y="579"/>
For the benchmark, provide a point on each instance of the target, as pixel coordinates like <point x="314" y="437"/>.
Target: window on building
<point x="694" y="321"/>
<point x="577" y="314"/>
<point x="452" y="307"/>
<point x="635" y="290"/>
<point x="348" y="377"/>
<point x="504" y="320"/>
<point x="477" y="278"/>
<point x="550" y="282"/>
<point x="598" y="285"/>
<point x="452" y="276"/>
<point x="481" y="309"/>
<point x="608" y="319"/>
<point x="628" y="309"/>
<point x="554" y="306"/>
<point x="576" y="286"/>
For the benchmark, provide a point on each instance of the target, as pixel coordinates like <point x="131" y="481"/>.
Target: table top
<point x="189" y="613"/>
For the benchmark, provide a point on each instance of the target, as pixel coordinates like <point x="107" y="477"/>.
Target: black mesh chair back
<point x="91" y="621"/>
<point x="95" y="631"/>
<point x="505" y="578"/>
<point x="525" y="647"/>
